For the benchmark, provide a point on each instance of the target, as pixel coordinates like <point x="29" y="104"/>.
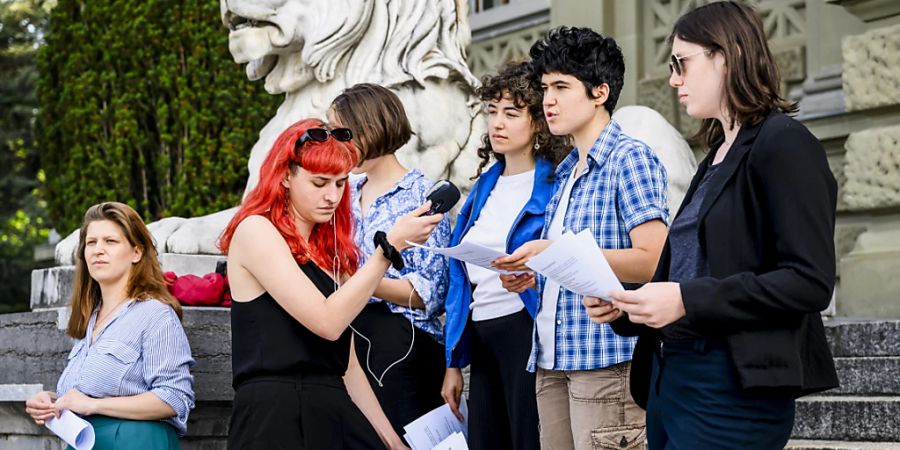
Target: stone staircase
<point x="864" y="413"/>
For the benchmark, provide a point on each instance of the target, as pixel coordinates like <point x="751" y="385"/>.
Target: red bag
<point x="192" y="290"/>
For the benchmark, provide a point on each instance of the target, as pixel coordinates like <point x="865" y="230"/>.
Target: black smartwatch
<point x="389" y="251"/>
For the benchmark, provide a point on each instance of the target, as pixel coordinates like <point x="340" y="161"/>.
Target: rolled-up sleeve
<point x="427" y="271"/>
<point x="167" y="362"/>
<point x="642" y="188"/>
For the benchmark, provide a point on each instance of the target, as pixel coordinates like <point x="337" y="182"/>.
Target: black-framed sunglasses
<point x="321" y="135"/>
<point x="676" y="65"/>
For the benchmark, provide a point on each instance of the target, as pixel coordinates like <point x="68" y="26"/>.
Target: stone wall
<point x="872" y="68"/>
<point x="34" y="351"/>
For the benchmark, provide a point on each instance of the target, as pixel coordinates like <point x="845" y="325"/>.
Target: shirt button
<point x="559" y="322"/>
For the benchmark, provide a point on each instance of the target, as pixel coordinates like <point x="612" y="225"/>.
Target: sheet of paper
<point x="74" y="430"/>
<point x="471" y="253"/>
<point x="430" y="430"/>
<point x="577" y="264"/>
<point x="455" y="441"/>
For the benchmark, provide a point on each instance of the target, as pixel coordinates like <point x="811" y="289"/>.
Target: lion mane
<point x="416" y="48"/>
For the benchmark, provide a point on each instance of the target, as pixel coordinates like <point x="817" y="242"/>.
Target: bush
<point x="141" y="103"/>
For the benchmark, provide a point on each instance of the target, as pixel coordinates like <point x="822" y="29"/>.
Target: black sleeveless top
<point x="267" y="341"/>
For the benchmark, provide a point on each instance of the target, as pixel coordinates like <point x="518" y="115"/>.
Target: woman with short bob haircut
<point x="128" y="372"/>
<point x="400" y="332"/>
<point x="296" y="286"/>
<point x="730" y="329"/>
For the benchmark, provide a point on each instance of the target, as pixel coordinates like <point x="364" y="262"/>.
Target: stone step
<point x="803" y="444"/>
<point x="876" y="375"/>
<point x="859" y="337"/>
<point x="34" y="346"/>
<point x="838" y="418"/>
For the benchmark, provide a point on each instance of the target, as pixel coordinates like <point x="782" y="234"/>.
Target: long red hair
<point x="270" y="199"/>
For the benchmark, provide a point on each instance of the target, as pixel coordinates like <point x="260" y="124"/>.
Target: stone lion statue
<point x="311" y="50"/>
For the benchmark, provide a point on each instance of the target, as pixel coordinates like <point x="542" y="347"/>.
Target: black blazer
<point x="767" y="230"/>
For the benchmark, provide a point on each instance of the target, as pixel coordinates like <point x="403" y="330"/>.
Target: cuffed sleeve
<point x="167" y="360"/>
<point x="641" y="195"/>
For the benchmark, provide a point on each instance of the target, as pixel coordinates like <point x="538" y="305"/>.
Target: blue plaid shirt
<point x="623" y="186"/>
<point x="427" y="271"/>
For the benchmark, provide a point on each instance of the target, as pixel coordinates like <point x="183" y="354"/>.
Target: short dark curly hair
<point x="584" y="54"/>
<point x="517" y="80"/>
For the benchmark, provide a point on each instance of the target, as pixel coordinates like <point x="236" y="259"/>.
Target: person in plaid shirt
<point x="614" y="186"/>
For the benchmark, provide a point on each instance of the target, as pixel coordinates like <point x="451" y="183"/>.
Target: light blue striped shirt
<point x="142" y="349"/>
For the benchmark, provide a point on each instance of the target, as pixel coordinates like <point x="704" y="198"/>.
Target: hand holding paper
<point x="471" y="253"/>
<point x="74" y="430"/>
<point x="577" y="264"/>
<point x="518" y="261"/>
<point x="431" y="430"/>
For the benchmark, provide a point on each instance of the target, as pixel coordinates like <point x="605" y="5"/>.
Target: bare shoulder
<point x="255" y="223"/>
<point x="253" y="229"/>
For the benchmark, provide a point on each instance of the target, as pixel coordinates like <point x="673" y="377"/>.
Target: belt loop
<point x="701" y="346"/>
<point x="298" y="382"/>
<point x="660" y="359"/>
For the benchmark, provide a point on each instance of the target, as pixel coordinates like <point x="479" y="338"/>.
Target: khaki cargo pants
<point x="590" y="409"/>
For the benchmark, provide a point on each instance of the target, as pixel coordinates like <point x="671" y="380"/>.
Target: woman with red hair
<point x="289" y="247"/>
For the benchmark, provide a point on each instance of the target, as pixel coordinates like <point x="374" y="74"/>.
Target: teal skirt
<point x="121" y="434"/>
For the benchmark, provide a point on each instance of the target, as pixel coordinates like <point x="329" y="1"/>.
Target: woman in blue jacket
<point x="487" y="326"/>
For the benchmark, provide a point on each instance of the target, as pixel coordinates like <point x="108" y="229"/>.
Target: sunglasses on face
<point x="321" y="135"/>
<point x="677" y="66"/>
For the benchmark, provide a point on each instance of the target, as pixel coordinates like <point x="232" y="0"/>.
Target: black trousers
<point x="696" y="402"/>
<point x="412" y="387"/>
<point x="308" y="411"/>
<point x="502" y="402"/>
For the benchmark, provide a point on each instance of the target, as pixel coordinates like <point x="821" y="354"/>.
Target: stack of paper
<point x="575" y="262"/>
<point x="439" y="429"/>
<point x="74" y="430"/>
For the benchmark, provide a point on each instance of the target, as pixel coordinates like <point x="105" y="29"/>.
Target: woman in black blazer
<point x="730" y="329"/>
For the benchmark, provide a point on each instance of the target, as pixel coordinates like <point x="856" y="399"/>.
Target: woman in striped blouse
<point x="128" y="371"/>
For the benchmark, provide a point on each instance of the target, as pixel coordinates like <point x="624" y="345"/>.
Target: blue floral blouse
<point x="427" y="271"/>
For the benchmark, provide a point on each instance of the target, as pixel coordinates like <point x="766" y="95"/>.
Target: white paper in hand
<point x="74" y="430"/>
<point x="471" y="253"/>
<point x="575" y="262"/>
<point x="430" y="430"/>
<point x="455" y="441"/>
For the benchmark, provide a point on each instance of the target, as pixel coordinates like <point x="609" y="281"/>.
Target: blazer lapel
<point x="742" y="144"/>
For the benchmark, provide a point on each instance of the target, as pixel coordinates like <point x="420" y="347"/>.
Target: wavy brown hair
<point x="145" y="281"/>
<point x="516" y="80"/>
<point x="752" y="84"/>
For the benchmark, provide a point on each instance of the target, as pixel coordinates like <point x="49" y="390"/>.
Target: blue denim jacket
<point x="527" y="227"/>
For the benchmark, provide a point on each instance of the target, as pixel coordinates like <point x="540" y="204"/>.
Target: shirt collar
<point x="405" y="183"/>
<point x="598" y="153"/>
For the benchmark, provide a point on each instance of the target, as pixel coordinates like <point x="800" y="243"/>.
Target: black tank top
<point x="267" y="341"/>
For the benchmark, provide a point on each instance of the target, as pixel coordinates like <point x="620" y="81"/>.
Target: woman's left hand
<point x="76" y="402"/>
<point x="654" y="304"/>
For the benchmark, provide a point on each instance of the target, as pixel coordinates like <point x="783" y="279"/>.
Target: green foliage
<point x="141" y="103"/>
<point x="22" y="215"/>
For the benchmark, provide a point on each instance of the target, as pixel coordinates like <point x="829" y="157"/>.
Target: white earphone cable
<point x="336" y="263"/>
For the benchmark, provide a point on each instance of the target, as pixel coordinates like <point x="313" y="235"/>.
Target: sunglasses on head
<point x="677" y="66"/>
<point x="321" y="135"/>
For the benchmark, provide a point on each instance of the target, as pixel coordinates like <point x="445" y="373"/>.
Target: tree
<point x="141" y="103"/>
<point x="22" y="214"/>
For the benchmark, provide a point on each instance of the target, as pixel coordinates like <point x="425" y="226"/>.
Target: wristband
<point x="389" y="251"/>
